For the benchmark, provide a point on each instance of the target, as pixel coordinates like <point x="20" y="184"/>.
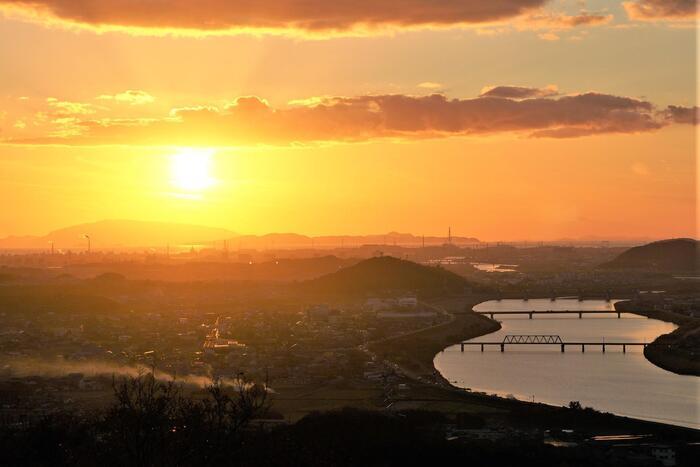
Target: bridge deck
<point x="559" y="343"/>
<point x="580" y="313"/>
<point x="525" y="312"/>
<point x="563" y="345"/>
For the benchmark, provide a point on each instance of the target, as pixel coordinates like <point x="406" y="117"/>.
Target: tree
<point x="151" y="423"/>
<point x="575" y="405"/>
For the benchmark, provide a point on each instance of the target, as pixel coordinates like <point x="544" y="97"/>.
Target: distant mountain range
<point x="675" y="255"/>
<point x="119" y="234"/>
<point x="387" y="275"/>
<point x="142" y="234"/>
<point x="297" y="241"/>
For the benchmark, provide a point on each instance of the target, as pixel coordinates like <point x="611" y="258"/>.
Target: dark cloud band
<point x="652" y="10"/>
<point x="304" y="15"/>
<point x="251" y="121"/>
<point x="683" y="115"/>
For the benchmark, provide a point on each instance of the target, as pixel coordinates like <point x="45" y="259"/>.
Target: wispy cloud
<point x="132" y="97"/>
<point x="549" y="24"/>
<point x="430" y="85"/>
<point x="564" y="21"/>
<point x="519" y="92"/>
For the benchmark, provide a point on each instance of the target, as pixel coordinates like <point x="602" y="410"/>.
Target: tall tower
<point x="449" y="235"/>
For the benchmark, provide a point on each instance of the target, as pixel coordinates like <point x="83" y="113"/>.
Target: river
<point x="624" y="384"/>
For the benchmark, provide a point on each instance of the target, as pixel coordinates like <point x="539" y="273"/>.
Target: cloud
<point x="63" y="117"/>
<point x="655" y="10"/>
<point x="548" y="36"/>
<point x="683" y="115"/>
<point x="518" y="92"/>
<point x="314" y="16"/>
<point x="130" y="97"/>
<point x="548" y="25"/>
<point x="564" y="21"/>
<point x="59" y="109"/>
<point x="250" y="120"/>
<point x="430" y="85"/>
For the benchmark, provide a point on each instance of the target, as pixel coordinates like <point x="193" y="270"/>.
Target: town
<point x="65" y="338"/>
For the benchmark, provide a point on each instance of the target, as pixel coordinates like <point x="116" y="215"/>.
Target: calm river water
<point x="624" y="384"/>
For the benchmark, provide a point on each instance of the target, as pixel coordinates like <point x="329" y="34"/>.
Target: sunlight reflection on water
<point x="626" y="384"/>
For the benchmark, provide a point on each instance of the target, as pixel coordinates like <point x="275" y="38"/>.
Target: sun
<point x="190" y="169"/>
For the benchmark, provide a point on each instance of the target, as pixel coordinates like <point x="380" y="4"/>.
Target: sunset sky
<point x="506" y="119"/>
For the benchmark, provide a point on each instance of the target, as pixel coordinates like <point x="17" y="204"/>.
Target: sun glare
<point x="190" y="169"/>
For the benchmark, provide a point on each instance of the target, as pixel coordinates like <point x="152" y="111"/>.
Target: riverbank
<point x="415" y="352"/>
<point x="415" y="356"/>
<point x="677" y="351"/>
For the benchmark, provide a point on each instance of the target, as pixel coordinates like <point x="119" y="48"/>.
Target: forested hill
<point x="386" y="275"/>
<point x="678" y="254"/>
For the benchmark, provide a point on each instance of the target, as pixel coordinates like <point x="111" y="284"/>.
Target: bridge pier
<point x="553" y="340"/>
<point x="580" y="312"/>
<point x="530" y="315"/>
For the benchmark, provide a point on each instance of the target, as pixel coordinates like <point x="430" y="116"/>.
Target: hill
<point x="385" y="275"/>
<point x="675" y="255"/>
<point x="119" y="233"/>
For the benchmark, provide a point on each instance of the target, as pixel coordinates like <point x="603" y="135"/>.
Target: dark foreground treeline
<point x="153" y="424"/>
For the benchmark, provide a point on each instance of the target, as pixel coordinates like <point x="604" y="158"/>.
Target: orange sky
<point x="519" y="120"/>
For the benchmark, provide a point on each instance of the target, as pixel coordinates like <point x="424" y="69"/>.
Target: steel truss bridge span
<point x="553" y="339"/>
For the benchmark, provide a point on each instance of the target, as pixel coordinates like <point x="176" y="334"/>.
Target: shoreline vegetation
<point x="678" y="355"/>
<point x="414" y="354"/>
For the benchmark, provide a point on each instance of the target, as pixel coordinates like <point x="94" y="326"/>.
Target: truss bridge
<point x="553" y="339"/>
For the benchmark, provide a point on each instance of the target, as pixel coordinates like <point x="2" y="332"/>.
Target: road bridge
<point x="552" y="339"/>
<point x="580" y="313"/>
